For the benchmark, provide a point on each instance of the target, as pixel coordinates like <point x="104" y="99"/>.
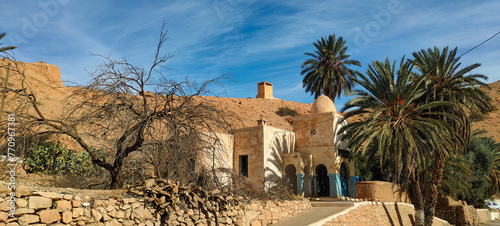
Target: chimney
<point x="261" y="122"/>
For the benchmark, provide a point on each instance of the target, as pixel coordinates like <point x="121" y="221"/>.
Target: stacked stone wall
<point x="459" y="213"/>
<point x="50" y="208"/>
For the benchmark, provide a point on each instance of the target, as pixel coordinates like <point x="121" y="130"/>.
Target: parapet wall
<point x="378" y="213"/>
<point x="65" y="209"/>
<point x="380" y="191"/>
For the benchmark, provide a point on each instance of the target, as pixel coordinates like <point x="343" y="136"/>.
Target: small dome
<point x="323" y="104"/>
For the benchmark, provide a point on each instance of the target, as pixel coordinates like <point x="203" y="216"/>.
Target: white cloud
<point x="255" y="40"/>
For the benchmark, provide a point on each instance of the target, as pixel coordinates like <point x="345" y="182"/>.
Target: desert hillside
<point x="492" y="122"/>
<point x="45" y="81"/>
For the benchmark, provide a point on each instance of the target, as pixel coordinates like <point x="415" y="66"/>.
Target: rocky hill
<point x="492" y="122"/>
<point x="45" y="81"/>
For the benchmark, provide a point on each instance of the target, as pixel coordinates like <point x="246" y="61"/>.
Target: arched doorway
<point x="344" y="178"/>
<point x="291" y="177"/>
<point x="322" y="180"/>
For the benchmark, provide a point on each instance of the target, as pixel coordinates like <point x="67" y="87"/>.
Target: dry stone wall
<point x="459" y="213"/>
<point x="50" y="208"/>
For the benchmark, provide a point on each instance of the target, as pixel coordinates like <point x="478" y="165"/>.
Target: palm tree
<point x="327" y="71"/>
<point x="398" y="128"/>
<point x="444" y="81"/>
<point x="3" y="49"/>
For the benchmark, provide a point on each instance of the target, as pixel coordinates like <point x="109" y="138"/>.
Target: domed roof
<point x="322" y="104"/>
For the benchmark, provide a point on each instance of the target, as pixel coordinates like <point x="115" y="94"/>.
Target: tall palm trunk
<point x="432" y="188"/>
<point x="418" y="202"/>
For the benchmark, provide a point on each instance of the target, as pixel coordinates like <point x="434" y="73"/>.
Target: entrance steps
<point x="334" y="202"/>
<point x="331" y="199"/>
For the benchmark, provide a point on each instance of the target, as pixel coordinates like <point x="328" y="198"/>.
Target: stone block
<point x="5" y="204"/>
<point x="128" y="213"/>
<point x="112" y="213"/>
<point x="110" y="208"/>
<point x="120" y="214"/>
<point x="63" y="205"/>
<point x="21" y="202"/>
<point x="22" y="211"/>
<point x="76" y="203"/>
<point x="141" y="213"/>
<point x="51" y="195"/>
<point x="112" y="202"/>
<point x="22" y="191"/>
<point x="67" y="217"/>
<point x="105" y="216"/>
<point x="96" y="215"/>
<point x="77" y="212"/>
<point x="255" y="223"/>
<point x="67" y="197"/>
<point x="3" y="216"/>
<point x="113" y="222"/>
<point x="49" y="216"/>
<point x="135" y="205"/>
<point x="87" y="213"/>
<point x="98" y="203"/>
<point x="12" y="224"/>
<point x="39" y="202"/>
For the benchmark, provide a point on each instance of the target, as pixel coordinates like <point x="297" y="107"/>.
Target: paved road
<point x="311" y="216"/>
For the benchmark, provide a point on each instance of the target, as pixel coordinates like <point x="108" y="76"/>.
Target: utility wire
<point x="480" y="44"/>
<point x="304" y="127"/>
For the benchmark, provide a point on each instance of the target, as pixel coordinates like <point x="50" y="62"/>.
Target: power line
<point x="480" y="44"/>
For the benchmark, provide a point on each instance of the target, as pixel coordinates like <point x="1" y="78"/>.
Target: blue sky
<point x="253" y="40"/>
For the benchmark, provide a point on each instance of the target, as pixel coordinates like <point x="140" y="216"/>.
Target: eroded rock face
<point x="36" y="72"/>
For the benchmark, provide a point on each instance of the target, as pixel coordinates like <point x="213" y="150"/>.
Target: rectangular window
<point x="244" y="165"/>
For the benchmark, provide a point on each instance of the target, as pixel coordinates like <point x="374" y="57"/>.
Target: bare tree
<point x="129" y="109"/>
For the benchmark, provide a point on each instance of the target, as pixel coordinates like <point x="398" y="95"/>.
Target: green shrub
<point x="285" y="111"/>
<point x="53" y="158"/>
